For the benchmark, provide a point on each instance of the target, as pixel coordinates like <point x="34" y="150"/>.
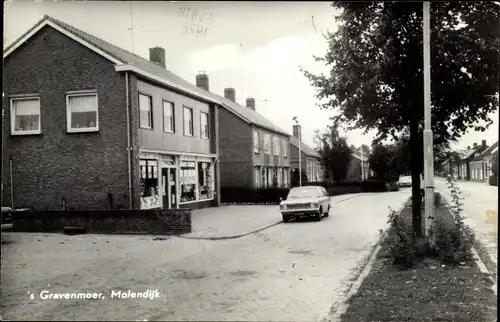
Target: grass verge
<point x="427" y="291"/>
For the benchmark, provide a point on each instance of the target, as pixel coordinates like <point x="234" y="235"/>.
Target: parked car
<point x="309" y="201"/>
<point x="404" y="181"/>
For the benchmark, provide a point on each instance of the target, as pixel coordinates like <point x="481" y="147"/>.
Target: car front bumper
<point x="300" y="212"/>
<point x="404" y="184"/>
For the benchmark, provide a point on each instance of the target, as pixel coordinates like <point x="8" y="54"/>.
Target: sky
<point x="254" y="47"/>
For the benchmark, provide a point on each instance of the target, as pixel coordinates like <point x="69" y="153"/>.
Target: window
<point x="188" y="121"/>
<point x="150" y="194"/>
<point x="205" y="180"/>
<point x="168" y="117"/>
<point x="276" y="148"/>
<point x="257" y="177"/>
<point x="284" y="148"/>
<point x="25" y="115"/>
<point x="204" y="125"/>
<point x="267" y="144"/>
<point x="188" y="181"/>
<point x="145" y="111"/>
<point x="285" y="177"/>
<point x="82" y="112"/>
<point x="256" y="142"/>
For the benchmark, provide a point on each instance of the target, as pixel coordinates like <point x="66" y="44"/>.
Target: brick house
<point x="88" y="125"/>
<point x="253" y="151"/>
<point x="480" y="166"/>
<point x="309" y="160"/>
<point x="466" y="157"/>
<point x="355" y="169"/>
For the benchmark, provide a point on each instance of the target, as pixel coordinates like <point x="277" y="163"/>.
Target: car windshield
<point x="303" y="192"/>
<point x="405" y="178"/>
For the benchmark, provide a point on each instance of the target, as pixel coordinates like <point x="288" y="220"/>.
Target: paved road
<point x="290" y="272"/>
<point x="480" y="209"/>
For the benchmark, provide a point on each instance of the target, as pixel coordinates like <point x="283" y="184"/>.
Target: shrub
<point x="253" y="196"/>
<point x="399" y="241"/>
<point x="453" y="239"/>
<point x="373" y="186"/>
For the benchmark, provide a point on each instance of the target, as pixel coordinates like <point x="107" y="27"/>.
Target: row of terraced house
<point x="88" y="125"/>
<point x="475" y="163"/>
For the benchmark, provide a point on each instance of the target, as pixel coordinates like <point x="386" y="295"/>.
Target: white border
<point x="13" y="115"/>
<point x="69" y="94"/>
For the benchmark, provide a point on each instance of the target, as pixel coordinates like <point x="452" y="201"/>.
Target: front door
<point x="169" y="193"/>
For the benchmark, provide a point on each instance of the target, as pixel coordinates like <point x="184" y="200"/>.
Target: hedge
<point x="273" y="195"/>
<point x="493" y="181"/>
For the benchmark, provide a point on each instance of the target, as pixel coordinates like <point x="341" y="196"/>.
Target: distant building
<point x="310" y="159"/>
<point x="480" y="166"/>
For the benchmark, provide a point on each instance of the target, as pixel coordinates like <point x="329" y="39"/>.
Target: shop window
<point x="149" y="183"/>
<point x="205" y="180"/>
<point x="188" y="181"/>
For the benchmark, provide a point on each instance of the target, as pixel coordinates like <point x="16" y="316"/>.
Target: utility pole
<point x="300" y="150"/>
<point x="362" y="165"/>
<point x="428" y="138"/>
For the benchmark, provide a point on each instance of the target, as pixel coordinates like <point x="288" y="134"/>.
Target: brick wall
<point x="156" y="222"/>
<point x="235" y="153"/>
<point x="80" y="167"/>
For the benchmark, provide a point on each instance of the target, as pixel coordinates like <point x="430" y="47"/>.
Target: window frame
<point x="151" y="108"/>
<point x="202" y="114"/>
<point x="69" y="129"/>
<point x="172" y="105"/>
<point x="184" y="108"/>
<point x="267" y="147"/>
<point x="256" y="141"/>
<point x="13" y="115"/>
<point x="285" y="153"/>
<point x="277" y="145"/>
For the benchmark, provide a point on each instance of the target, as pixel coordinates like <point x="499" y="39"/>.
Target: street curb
<point x="234" y="236"/>
<point x="479" y="261"/>
<point x="344" y="305"/>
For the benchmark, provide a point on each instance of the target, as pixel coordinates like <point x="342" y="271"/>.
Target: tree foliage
<point x="376" y="60"/>
<point x="335" y="154"/>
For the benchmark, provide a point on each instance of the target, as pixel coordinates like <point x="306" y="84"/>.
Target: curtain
<point x="27" y="115"/>
<point x="83" y="111"/>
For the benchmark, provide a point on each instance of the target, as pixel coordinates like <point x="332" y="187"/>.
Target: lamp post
<point x="428" y="138"/>
<point x="300" y="150"/>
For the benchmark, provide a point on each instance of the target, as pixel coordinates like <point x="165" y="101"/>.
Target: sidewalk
<point x="480" y="208"/>
<point x="232" y="221"/>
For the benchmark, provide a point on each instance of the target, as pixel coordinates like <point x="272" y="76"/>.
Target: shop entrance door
<point x="169" y="179"/>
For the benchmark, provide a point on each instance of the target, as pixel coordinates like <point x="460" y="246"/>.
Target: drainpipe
<point x="129" y="147"/>
<point x="11" y="185"/>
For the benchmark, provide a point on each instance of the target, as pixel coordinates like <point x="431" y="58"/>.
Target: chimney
<point x="483" y="143"/>
<point x="251" y="103"/>
<point x="468" y="147"/>
<point x="202" y="81"/>
<point x="474" y="145"/>
<point x="157" y="56"/>
<point x="230" y="94"/>
<point x="297" y="131"/>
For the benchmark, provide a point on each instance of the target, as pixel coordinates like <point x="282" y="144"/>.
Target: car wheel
<point x="286" y="218"/>
<point x="327" y="212"/>
<point x="318" y="216"/>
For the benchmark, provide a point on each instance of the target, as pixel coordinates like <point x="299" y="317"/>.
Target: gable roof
<point x="304" y="147"/>
<point x="489" y="151"/>
<point x="127" y="61"/>
<point x="357" y="156"/>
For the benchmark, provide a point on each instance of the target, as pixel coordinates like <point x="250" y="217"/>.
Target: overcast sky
<point x="254" y="47"/>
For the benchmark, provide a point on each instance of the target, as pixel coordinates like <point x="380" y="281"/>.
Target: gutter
<point x="129" y="147"/>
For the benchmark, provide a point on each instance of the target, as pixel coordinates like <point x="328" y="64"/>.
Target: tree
<point x="335" y="154"/>
<point x="380" y="161"/>
<point x="376" y="77"/>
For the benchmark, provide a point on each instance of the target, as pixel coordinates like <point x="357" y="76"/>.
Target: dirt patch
<point x="428" y="291"/>
<point x="244" y="273"/>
